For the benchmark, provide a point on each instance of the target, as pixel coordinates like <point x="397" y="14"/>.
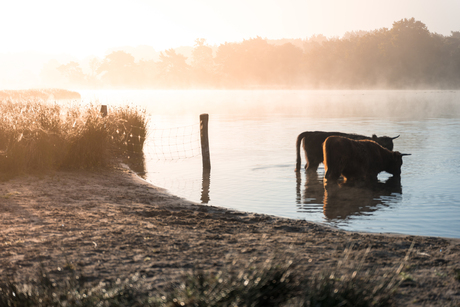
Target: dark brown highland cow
<point x="313" y="146"/>
<point x="358" y="159"/>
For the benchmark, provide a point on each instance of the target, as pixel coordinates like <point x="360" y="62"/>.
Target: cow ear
<point x="374" y="136"/>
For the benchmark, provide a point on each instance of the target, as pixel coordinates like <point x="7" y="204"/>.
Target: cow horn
<point x="396" y="137"/>
<point x="405" y="154"/>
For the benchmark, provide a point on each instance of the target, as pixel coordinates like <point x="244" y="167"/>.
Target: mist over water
<point x="401" y="104"/>
<point x="252" y="144"/>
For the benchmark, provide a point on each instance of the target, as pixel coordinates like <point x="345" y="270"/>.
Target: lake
<point x="252" y="138"/>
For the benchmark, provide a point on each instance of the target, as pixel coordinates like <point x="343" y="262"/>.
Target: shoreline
<point x="141" y="180"/>
<point x="112" y="224"/>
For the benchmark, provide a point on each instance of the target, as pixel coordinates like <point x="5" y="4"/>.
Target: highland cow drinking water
<point x="313" y="146"/>
<point x="358" y="159"/>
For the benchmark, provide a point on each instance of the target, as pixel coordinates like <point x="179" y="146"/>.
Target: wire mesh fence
<point x="173" y="144"/>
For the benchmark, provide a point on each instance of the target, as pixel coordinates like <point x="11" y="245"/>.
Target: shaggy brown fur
<point x="313" y="146"/>
<point x="358" y="159"/>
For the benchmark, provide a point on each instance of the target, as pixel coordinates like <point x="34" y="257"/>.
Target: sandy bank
<point x="111" y="224"/>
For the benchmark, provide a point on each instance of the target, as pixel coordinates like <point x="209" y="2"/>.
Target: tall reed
<point x="36" y="136"/>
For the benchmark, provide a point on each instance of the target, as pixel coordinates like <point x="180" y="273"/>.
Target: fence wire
<point x="172" y="144"/>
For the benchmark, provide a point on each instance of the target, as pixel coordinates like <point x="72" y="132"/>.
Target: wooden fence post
<point x="104" y="110"/>
<point x="204" y="118"/>
<point x="205" y="182"/>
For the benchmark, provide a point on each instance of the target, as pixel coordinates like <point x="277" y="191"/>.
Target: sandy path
<point x="112" y="225"/>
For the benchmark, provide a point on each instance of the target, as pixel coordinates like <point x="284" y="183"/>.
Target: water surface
<point x="252" y="144"/>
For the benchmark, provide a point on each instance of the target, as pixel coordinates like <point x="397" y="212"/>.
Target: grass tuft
<point x="36" y="136"/>
<point x="271" y="284"/>
<point x="74" y="292"/>
<point x="284" y="285"/>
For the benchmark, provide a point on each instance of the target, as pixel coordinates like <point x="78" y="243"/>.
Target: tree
<point x="410" y="49"/>
<point x="73" y="74"/>
<point x="173" y="69"/>
<point x="245" y="64"/>
<point x="118" y="69"/>
<point x="202" y="63"/>
<point x="149" y="71"/>
<point x="407" y="55"/>
<point x="94" y="64"/>
<point x="286" y="63"/>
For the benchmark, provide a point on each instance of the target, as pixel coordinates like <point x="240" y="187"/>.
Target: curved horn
<point x="405" y="154"/>
<point x="396" y="137"/>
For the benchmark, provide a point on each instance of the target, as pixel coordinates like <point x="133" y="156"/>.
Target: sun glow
<point x="62" y="44"/>
<point x="91" y="27"/>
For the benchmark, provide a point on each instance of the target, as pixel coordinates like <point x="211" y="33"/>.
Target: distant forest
<point x="405" y="56"/>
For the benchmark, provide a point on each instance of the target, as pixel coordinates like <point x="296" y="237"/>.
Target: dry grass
<point x="272" y="284"/>
<point x="36" y="136"/>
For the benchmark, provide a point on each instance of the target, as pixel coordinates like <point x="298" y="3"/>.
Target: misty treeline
<point x="406" y="56"/>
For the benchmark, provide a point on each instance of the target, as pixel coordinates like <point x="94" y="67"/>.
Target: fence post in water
<point x="204" y="118"/>
<point x="104" y="110"/>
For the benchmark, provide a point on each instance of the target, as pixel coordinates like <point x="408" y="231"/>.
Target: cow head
<point x="395" y="164"/>
<point x="384" y="141"/>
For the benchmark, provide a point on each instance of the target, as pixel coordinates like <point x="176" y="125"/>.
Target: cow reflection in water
<point x="342" y="200"/>
<point x="313" y="189"/>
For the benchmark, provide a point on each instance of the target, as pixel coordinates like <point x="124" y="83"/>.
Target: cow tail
<point x="298" y="158"/>
<point x="325" y="160"/>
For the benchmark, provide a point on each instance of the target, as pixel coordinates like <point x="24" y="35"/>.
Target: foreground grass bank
<point x="37" y="136"/>
<point x="74" y="233"/>
<point x="273" y="284"/>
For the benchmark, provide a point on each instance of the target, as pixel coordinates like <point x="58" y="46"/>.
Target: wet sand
<point x="111" y="225"/>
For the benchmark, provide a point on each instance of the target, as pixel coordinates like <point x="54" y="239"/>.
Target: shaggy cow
<point x="358" y="159"/>
<point x="313" y="146"/>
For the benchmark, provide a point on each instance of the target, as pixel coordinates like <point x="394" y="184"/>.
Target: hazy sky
<point x="90" y="27"/>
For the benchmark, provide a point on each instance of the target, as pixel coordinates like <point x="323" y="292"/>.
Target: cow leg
<point x="331" y="176"/>
<point x="312" y="165"/>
